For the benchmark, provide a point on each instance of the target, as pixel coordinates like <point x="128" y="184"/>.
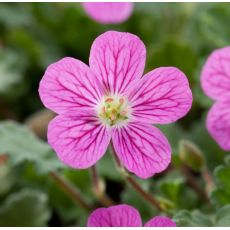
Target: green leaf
<point x="171" y="187"/>
<point x="26" y="208"/>
<point x="223" y="217"/>
<point x="11" y="73"/>
<point x="6" y="178"/>
<point x="20" y="143"/>
<point x="221" y="195"/>
<point x="195" y="218"/>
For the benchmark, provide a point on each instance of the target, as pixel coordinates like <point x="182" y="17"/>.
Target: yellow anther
<point x="114" y="110"/>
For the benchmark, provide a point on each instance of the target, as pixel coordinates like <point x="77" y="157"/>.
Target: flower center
<point x="114" y="110"/>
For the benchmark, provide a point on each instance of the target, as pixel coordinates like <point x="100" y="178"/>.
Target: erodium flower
<point x="109" y="100"/>
<point x="108" y="12"/>
<point x="215" y="81"/>
<point x="124" y="216"/>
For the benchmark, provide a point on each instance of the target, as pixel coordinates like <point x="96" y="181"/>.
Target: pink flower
<point x="215" y="81"/>
<point x="109" y="100"/>
<point x="108" y="12"/>
<point x="124" y="216"/>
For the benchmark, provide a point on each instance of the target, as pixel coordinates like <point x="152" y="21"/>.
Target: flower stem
<point x="207" y="177"/>
<point x="143" y="193"/>
<point x="99" y="188"/>
<point x="135" y="185"/>
<point x="191" y="180"/>
<point x="70" y="190"/>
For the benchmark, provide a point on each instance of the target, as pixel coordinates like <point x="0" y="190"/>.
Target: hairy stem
<point x="149" y="198"/>
<point x="99" y="188"/>
<point x="135" y="185"/>
<point x="70" y="190"/>
<point x="207" y="177"/>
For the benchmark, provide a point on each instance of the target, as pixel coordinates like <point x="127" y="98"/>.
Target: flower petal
<point x="108" y="12"/>
<point x="163" y="96"/>
<point x="218" y="123"/>
<point x="160" y="221"/>
<point x="215" y="76"/>
<point x="69" y="85"/>
<point x="115" y="216"/>
<point x="117" y="59"/>
<point x="142" y="149"/>
<point x="78" y="141"/>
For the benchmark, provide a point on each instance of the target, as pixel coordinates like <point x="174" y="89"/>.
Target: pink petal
<point x="218" y="123"/>
<point x="142" y="149"/>
<point x="117" y="59"/>
<point x="108" y="12"/>
<point x="163" y="96"/>
<point x="215" y="76"/>
<point x="78" y="141"/>
<point x="160" y="221"/>
<point x="69" y="85"/>
<point x="115" y="216"/>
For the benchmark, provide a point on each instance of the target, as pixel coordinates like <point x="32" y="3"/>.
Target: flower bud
<point x="165" y="204"/>
<point x="191" y="155"/>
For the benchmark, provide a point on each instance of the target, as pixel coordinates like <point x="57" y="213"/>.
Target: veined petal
<point x="160" y="221"/>
<point x="215" y="76"/>
<point x="218" y="123"/>
<point x="117" y="59"/>
<point x="78" y="141"/>
<point x="108" y="12"/>
<point x="162" y="96"/>
<point x="142" y="149"/>
<point x="69" y="85"/>
<point x="115" y="216"/>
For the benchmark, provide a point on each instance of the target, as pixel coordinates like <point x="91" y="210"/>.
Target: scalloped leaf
<point x="221" y="195"/>
<point x="195" y="218"/>
<point x="20" y="144"/>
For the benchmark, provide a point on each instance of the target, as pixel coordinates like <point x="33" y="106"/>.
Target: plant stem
<point x="70" y="190"/>
<point x="207" y="176"/>
<point x="135" y="185"/>
<point x="99" y="188"/>
<point x="143" y="193"/>
<point x="191" y="180"/>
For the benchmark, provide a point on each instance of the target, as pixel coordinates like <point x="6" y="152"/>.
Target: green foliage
<point x="33" y="35"/>
<point x="11" y="73"/>
<point x="221" y="195"/>
<point x="223" y="217"/>
<point x="192" y="219"/>
<point x="20" y="143"/>
<point x="25" y="208"/>
<point x="6" y="179"/>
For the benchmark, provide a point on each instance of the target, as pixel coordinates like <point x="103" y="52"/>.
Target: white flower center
<point x="114" y="110"/>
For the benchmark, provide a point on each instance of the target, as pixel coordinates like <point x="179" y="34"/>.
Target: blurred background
<point x="38" y="190"/>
